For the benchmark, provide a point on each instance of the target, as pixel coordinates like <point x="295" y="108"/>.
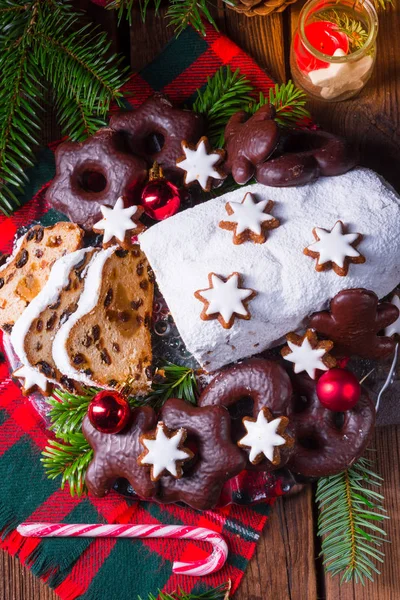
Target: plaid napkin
<point x="107" y="568"/>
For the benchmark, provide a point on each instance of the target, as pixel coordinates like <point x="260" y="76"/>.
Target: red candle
<point x="324" y="37"/>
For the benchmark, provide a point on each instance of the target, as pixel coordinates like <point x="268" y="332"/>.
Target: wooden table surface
<point x="286" y="565"/>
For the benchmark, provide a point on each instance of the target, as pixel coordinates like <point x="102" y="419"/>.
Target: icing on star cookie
<point x="307" y="353"/>
<point x="32" y="379"/>
<point x="335" y="248"/>
<point x="249" y="220"/>
<point x="164" y="451"/>
<point x="394" y="328"/>
<point x="119" y="224"/>
<point x="264" y="435"/>
<point x="225" y="299"/>
<point x="200" y="163"/>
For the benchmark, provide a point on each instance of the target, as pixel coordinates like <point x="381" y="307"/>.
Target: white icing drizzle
<point x="334" y="246"/>
<point x="341" y="77"/>
<point x="306" y="358"/>
<point x="31" y="377"/>
<point x="262" y="436"/>
<point x="58" y="279"/>
<point x="248" y="214"/>
<point x="164" y="452"/>
<point x="394" y="328"/>
<point x="116" y="221"/>
<point x="87" y="302"/>
<point x="16" y="248"/>
<point x="199" y="165"/>
<point x="226" y="298"/>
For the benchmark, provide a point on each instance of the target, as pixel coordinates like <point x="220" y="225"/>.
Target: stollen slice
<point x="106" y="342"/>
<point x="24" y="274"/>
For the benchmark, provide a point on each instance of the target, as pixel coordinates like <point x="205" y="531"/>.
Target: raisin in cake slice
<point x="107" y="341"/>
<point x="27" y="270"/>
<point x="33" y="333"/>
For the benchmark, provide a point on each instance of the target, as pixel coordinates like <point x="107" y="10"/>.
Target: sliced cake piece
<point x="33" y="334"/>
<point x="27" y="270"/>
<point x="106" y="342"/>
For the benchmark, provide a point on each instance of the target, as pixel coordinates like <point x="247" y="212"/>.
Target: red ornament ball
<point x="338" y="390"/>
<point x="109" y="412"/>
<point x="160" y="199"/>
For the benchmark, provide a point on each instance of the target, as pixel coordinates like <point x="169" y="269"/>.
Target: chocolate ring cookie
<point x="94" y="173"/>
<point x="156" y="130"/>
<point x="247" y="388"/>
<point x="303" y="155"/>
<point x="216" y="457"/>
<point x="327" y="442"/>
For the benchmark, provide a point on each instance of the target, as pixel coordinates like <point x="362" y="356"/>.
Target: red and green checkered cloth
<point x="106" y="568"/>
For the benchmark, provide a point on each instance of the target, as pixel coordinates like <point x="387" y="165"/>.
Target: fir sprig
<point x="172" y="381"/>
<point x="70" y="460"/>
<point x="68" y="411"/>
<point x="228" y="92"/>
<point x="43" y="47"/>
<point x="349" y="521"/>
<point x="289" y="103"/>
<point x="219" y="593"/>
<point x="225" y="94"/>
<point x="180" y="14"/>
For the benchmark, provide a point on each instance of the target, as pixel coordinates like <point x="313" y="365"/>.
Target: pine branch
<point x="219" y="593"/>
<point x="225" y="94"/>
<point x="68" y="411"/>
<point x="125" y="8"/>
<point x="182" y="13"/>
<point x="70" y="460"/>
<point x="350" y="513"/>
<point x="289" y="103"/>
<point x="40" y="44"/>
<point x="171" y="381"/>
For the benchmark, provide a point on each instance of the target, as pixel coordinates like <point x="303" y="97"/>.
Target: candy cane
<point x="197" y="568"/>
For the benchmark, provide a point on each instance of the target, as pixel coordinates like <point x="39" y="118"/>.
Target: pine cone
<point x="254" y="8"/>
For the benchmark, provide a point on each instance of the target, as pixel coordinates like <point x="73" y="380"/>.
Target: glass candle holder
<point x="333" y="49"/>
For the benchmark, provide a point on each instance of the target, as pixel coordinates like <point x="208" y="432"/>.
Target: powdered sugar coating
<point x="185" y="248"/>
<point x="394" y="328"/>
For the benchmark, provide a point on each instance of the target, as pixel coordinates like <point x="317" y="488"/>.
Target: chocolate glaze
<point x="303" y="155"/>
<point x="326" y="442"/>
<point x="217" y="458"/>
<point x="115" y="455"/>
<point x="156" y="130"/>
<point x="249" y="141"/>
<point x="244" y="389"/>
<point x="102" y="157"/>
<point x="353" y="323"/>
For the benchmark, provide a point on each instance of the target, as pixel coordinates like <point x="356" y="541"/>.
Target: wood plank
<point x="262" y="38"/>
<point x="18" y="583"/>
<point x="283" y="565"/>
<point x="386" y="586"/>
<point x="371" y="120"/>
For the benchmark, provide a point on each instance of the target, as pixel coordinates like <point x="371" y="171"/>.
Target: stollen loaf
<point x="184" y="249"/>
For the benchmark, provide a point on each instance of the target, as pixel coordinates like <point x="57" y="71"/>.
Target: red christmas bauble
<point x="109" y="412"/>
<point x="160" y="199"/>
<point x="338" y="390"/>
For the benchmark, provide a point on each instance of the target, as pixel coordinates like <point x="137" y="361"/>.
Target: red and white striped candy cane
<point x="197" y="568"/>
